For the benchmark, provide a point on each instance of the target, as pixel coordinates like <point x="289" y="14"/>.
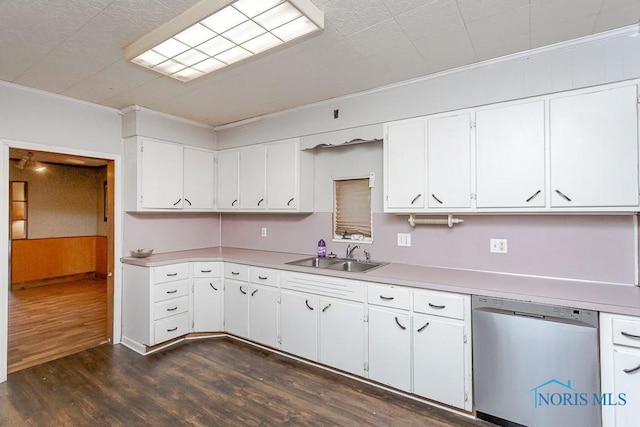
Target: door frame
<point x="114" y="281"/>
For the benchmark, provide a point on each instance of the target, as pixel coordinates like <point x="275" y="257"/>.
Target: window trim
<point x="336" y="237"/>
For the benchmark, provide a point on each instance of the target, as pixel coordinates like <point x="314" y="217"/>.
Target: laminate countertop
<point x="606" y="297"/>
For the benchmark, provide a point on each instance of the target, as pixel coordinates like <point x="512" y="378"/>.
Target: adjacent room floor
<point x="53" y="321"/>
<point x="208" y="382"/>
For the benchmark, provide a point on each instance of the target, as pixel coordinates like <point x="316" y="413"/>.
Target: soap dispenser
<point x="322" y="249"/>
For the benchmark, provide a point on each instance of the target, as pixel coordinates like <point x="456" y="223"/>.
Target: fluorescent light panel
<point x="214" y="34"/>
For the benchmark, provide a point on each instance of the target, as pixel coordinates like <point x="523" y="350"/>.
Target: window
<point x="352" y="210"/>
<point x="18" y="211"/>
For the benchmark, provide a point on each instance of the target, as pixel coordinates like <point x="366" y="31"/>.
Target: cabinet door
<point x="252" y="178"/>
<point x="438" y="360"/>
<point x="342" y="335"/>
<point x="236" y="308"/>
<point x="390" y="348"/>
<point x="227" y="180"/>
<point x="161" y="175"/>
<point x="199" y="179"/>
<point x="299" y="324"/>
<point x="449" y="162"/>
<point x="405" y="160"/>
<point x="628" y="382"/>
<point x="207" y="305"/>
<point x="282" y="176"/>
<point x="594" y="149"/>
<point x="510" y="156"/>
<point x="263" y="315"/>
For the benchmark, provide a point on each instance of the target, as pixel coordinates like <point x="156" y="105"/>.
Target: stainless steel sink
<point x="337" y="264"/>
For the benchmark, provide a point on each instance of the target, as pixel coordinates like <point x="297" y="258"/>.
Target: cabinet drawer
<point x="171" y="327"/>
<point x="170" y="273"/>
<point x="626" y="332"/>
<point x="389" y="296"/>
<point x="170" y="307"/>
<point x="439" y="304"/>
<point x="169" y="290"/>
<point x="236" y="271"/>
<point x="263" y="276"/>
<point x="206" y="269"/>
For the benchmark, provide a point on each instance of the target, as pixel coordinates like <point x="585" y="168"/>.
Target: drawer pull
<point x="262" y="277"/>
<point x="382" y="297"/>
<point x="213" y="287"/>
<point x="235" y="273"/>
<point x="308" y="306"/>
<point x="172" y="309"/>
<point x="326" y="308"/>
<point x="437" y="307"/>
<point x="423" y="327"/>
<point x="399" y="324"/>
<point x="172" y="292"/>
<point x="171" y="274"/>
<point x="172" y="329"/>
<point x="205" y="271"/>
<point x="631" y="370"/>
<point x="242" y="291"/>
<point x="254" y="292"/>
<point x="628" y="335"/>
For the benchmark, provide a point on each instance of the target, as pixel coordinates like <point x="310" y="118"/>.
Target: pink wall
<point x="588" y="247"/>
<point x="170" y="232"/>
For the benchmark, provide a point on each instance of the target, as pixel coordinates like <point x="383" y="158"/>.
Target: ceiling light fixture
<point x="216" y="33"/>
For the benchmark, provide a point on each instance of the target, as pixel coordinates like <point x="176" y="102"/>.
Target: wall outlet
<point x="498" y="246"/>
<point x="264" y="231"/>
<point x="404" y="239"/>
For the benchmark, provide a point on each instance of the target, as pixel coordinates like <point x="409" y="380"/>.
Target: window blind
<point x="352" y="213"/>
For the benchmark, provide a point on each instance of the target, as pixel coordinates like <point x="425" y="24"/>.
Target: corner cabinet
<point x="163" y="176"/>
<point x="273" y="177"/>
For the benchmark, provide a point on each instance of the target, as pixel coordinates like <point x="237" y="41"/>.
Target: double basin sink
<point x="337" y="264"/>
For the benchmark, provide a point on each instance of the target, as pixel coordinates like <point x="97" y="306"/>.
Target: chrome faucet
<point x="350" y="251"/>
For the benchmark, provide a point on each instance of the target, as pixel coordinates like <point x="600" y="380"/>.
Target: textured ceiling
<point x="76" y="48"/>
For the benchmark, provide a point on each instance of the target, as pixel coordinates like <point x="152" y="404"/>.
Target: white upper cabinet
<point x="228" y="179"/>
<point x="199" y="179"/>
<point x="282" y="169"/>
<point x="449" y="162"/>
<point x="510" y="156"/>
<point x="594" y="149"/>
<point x="252" y="178"/>
<point x="163" y="176"/>
<point x="404" y="166"/>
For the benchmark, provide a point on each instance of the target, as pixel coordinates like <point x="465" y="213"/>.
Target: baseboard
<point x="56" y="280"/>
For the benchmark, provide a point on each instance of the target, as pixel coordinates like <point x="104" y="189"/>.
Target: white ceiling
<point x="76" y="48"/>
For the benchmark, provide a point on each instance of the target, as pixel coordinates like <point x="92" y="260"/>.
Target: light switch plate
<point x="404" y="239"/>
<point x="264" y="231"/>
<point x="498" y="246"/>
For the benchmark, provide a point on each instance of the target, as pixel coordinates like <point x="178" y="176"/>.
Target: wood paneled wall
<point x="41" y="259"/>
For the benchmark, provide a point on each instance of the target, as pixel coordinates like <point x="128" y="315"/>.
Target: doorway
<point x="61" y="284"/>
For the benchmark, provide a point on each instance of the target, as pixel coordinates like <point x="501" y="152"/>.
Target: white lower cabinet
<point x="236" y="307"/>
<point x="342" y="335"/>
<point x="390" y="348"/>
<point x="299" y="324"/>
<point x="620" y="370"/>
<point x="207" y="296"/>
<point x="263" y="315"/>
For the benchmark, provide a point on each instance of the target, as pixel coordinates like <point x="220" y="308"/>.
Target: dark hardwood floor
<point x="53" y="321"/>
<point x="209" y="382"/>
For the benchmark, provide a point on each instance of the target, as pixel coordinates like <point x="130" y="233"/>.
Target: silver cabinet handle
<point x="172" y="309"/>
<point x="534" y="195"/>
<point x="235" y="273"/>
<point x="628" y="335"/>
<point x="171" y="274"/>
<point x="416" y="198"/>
<point x="437" y="307"/>
<point x="234" y="202"/>
<point x="213" y="287"/>
<point x="262" y="277"/>
<point x="172" y="329"/>
<point x="254" y="292"/>
<point x="399" y="324"/>
<point x="326" y="308"/>
<point x="187" y="200"/>
<point x="631" y="370"/>
<point x="205" y="271"/>
<point x="242" y="291"/>
<point x="172" y="292"/>
<point x="423" y="327"/>
<point x="436" y="199"/>
<point x="289" y="202"/>
<point x="564" y="196"/>
<point x="308" y="306"/>
<point x="260" y="201"/>
<point x="176" y="203"/>
<point x="382" y="297"/>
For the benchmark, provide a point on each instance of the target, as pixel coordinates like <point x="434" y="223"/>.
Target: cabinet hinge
<point x="638" y="99"/>
<point x="279" y="340"/>
<point x="464" y="338"/>
<point x="466" y="397"/>
<point x="278" y="301"/>
<point x="366" y="367"/>
<point x="141" y="148"/>
<point x="365" y="318"/>
<point x="472" y="124"/>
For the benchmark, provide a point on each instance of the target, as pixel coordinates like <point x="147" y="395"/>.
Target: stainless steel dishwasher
<point x="535" y="365"/>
